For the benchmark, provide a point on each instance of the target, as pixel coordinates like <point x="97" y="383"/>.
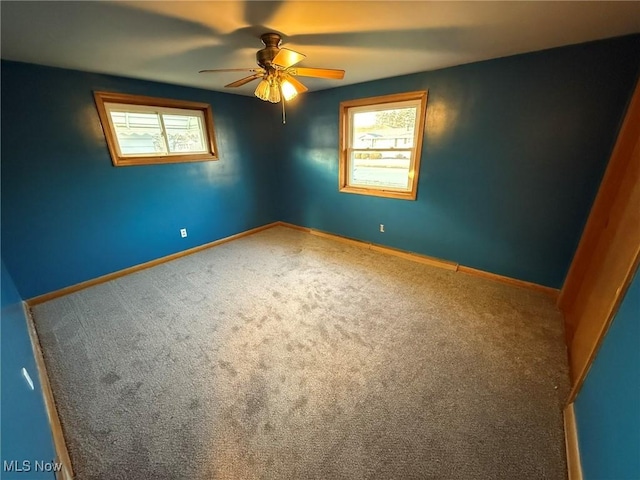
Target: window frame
<point x="345" y="149"/>
<point x="137" y="101"/>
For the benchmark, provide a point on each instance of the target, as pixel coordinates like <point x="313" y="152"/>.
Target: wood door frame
<point x="611" y="221"/>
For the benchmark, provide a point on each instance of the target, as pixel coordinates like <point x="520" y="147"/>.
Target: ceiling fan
<point x="277" y="72"/>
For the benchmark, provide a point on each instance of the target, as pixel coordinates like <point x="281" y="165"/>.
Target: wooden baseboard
<point x="553" y="292"/>
<point x="574" y="465"/>
<point x="59" y="443"/>
<point x="295" y="227"/>
<point x="436" y="262"/>
<point x="414" y="257"/>
<point x="136" y="268"/>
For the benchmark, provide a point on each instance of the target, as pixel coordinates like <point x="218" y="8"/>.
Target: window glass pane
<point x="145" y="130"/>
<point x="392" y="128"/>
<point x="380" y="169"/>
<point x="184" y="133"/>
<point x="138" y="133"/>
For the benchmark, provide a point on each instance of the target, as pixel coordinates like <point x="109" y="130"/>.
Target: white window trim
<point x="348" y="109"/>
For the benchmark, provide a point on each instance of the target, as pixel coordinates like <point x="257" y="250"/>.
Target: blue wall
<point x="513" y="153"/>
<point x="25" y="428"/>
<point x="514" y="150"/>
<point x="608" y="406"/>
<point x="68" y="215"/>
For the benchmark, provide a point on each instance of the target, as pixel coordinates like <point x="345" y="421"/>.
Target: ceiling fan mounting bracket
<point x="271" y="39"/>
<point x="271" y="42"/>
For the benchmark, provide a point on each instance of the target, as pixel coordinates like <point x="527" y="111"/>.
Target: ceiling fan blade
<point x="232" y="70"/>
<point x="296" y="83"/>
<point x="286" y="58"/>
<point x="245" y="80"/>
<point x="317" y="72"/>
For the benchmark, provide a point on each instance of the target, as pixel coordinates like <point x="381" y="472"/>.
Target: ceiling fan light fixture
<point x="263" y="90"/>
<point x="274" y="95"/>
<point x="288" y="90"/>
<point x="274" y="91"/>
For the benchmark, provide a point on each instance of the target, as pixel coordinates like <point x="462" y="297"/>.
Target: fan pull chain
<point x="284" y="117"/>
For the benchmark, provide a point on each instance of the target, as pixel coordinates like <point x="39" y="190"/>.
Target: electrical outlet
<point x="381" y="228"/>
<point x="183" y="232"/>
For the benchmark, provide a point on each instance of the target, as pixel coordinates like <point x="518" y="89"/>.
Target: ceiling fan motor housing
<point x="271" y="43"/>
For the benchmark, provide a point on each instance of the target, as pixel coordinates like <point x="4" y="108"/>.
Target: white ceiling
<point x="170" y="41"/>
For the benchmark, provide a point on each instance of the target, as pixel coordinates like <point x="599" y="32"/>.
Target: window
<point x="144" y="130"/>
<point x="380" y="144"/>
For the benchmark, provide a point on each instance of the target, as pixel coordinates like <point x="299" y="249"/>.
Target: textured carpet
<point x="287" y="356"/>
